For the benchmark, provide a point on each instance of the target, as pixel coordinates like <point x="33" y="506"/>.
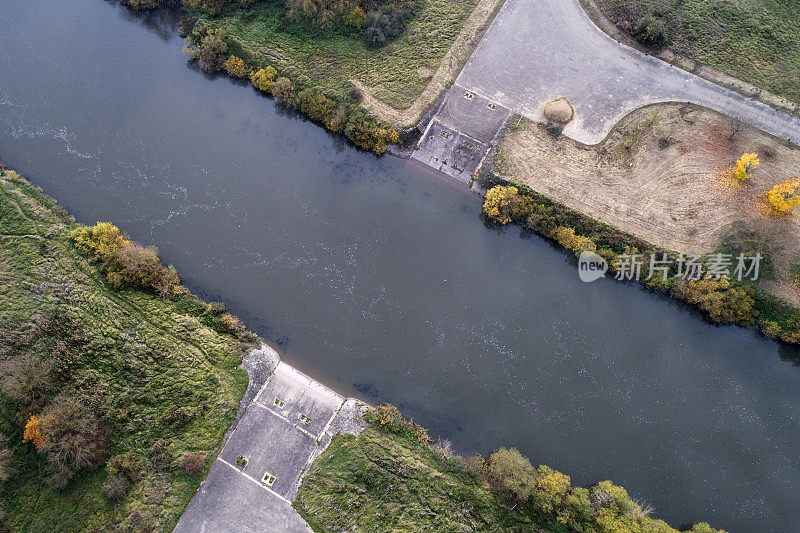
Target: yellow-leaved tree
<point x="264" y="79"/>
<point x="785" y="195"/>
<point x="33" y="432"/>
<point x="236" y="67"/>
<point x="745" y="166"/>
<point x="503" y="204"/>
<point x="356" y="17"/>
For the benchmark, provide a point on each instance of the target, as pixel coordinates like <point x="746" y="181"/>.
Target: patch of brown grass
<point x="660" y="175"/>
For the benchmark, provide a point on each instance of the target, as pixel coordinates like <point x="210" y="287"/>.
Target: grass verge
<point x="397" y="73"/>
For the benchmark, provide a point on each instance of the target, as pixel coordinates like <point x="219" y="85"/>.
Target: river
<point x="378" y="277"/>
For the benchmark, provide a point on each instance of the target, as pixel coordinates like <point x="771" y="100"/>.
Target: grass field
<point x="753" y="40"/>
<point x="151" y="369"/>
<point x="396" y="73"/>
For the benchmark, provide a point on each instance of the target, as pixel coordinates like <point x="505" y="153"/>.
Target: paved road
<point x="537" y="50"/>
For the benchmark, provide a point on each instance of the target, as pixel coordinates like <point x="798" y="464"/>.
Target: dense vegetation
<point x="723" y="301"/>
<point x="116" y="384"/>
<point x="393" y="478"/>
<point x="755" y="40"/>
<point x="210" y="48"/>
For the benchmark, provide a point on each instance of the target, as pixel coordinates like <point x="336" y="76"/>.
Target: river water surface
<point x="377" y="276"/>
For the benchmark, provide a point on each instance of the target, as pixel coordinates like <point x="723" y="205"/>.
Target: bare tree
<point x="735" y="127"/>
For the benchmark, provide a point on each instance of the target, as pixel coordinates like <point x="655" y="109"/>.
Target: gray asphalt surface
<point x="538" y="50"/>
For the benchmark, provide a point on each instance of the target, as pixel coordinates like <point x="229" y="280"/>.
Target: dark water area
<point x="378" y="277"/>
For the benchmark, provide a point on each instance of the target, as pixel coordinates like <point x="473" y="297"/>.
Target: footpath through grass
<point x="133" y="391"/>
<point x="753" y="40"/>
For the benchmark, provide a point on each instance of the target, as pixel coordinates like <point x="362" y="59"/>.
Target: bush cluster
<point x="69" y="437"/>
<point x="192" y="464"/>
<point x="388" y="418"/>
<point x="236" y="67"/>
<point x="127" y="263"/>
<point x="209" y="49"/>
<point x="540" y="494"/>
<point x="721" y="300"/>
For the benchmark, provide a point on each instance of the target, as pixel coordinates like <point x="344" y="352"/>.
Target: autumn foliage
<point x="126" y="262"/>
<point x="236" y="67"/>
<point x="504" y="204"/>
<point x="264" y="79"/>
<point x="785" y="196"/>
<point x="33" y="432"/>
<point x="745" y="166"/>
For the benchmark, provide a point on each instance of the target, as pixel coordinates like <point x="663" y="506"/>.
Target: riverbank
<point x="155" y="453"/>
<point x="654" y="187"/>
<point x="288" y="421"/>
<point x="393" y="477"/>
<point x="113" y="399"/>
<point x="330" y="72"/>
<point x="285" y="220"/>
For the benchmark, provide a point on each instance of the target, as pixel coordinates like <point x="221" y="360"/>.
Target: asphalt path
<point x="538" y="50"/>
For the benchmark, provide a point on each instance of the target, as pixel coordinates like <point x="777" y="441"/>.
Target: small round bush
<point x="192" y="464"/>
<point x="651" y="31"/>
<point x="116" y="487"/>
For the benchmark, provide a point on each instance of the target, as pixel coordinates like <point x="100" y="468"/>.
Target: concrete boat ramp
<point x="290" y="420"/>
<point x="457" y="139"/>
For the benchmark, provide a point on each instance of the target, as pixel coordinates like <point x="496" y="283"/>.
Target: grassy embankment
<point x="755" y="41"/>
<point x="397" y="72"/>
<point x="391" y="478"/>
<point x="356" y="68"/>
<point x="133" y="390"/>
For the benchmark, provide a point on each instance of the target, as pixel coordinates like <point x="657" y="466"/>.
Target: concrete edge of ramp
<point x="287" y="419"/>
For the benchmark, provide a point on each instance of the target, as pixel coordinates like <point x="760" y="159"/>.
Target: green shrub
<point x="284" y="90"/>
<point x="367" y="134"/>
<point x="230" y="324"/>
<point x="511" y="475"/>
<point x="651" y="31"/>
<point x="209" y="52"/>
<point x="127" y="465"/>
<point x="554" y="129"/>
<point x="386" y="19"/>
<point x="316" y="105"/>
<point x="116" y="487"/>
<point x="139" y="266"/>
<point x="388" y="417"/>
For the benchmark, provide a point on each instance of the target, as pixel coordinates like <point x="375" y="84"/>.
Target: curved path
<point x="537" y="50"/>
